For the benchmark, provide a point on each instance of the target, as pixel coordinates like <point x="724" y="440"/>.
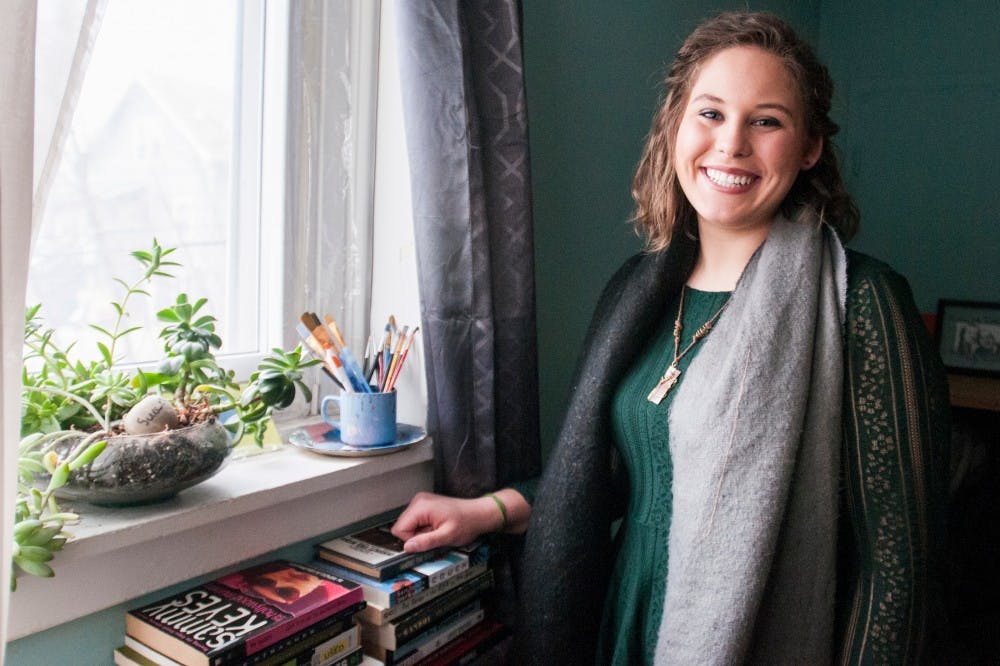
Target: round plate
<point x="324" y="438"/>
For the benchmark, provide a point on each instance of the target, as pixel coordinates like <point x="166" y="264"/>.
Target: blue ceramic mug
<point x="366" y="419"/>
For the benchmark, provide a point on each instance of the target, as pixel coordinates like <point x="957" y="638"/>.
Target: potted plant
<point x="93" y="431"/>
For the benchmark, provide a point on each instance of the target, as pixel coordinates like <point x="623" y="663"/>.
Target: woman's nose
<point x="732" y="140"/>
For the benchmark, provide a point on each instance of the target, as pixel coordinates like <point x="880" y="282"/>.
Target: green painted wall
<point x="919" y="84"/>
<point x="917" y="105"/>
<point x="592" y="71"/>
<point x="917" y="98"/>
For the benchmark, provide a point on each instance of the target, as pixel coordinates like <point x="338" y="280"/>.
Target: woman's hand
<point x="432" y="521"/>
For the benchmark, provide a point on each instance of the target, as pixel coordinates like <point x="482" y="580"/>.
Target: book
<point x="374" y="613"/>
<point x="303" y="642"/>
<point x="442" y="568"/>
<point x="468" y="646"/>
<point x="388" y="592"/>
<point x="352" y="658"/>
<point x="431" y="639"/>
<point x="126" y="656"/>
<point x="345" y="648"/>
<point x="259" y="609"/>
<point x="374" y="552"/>
<point x="329" y="631"/>
<point x="396" y="632"/>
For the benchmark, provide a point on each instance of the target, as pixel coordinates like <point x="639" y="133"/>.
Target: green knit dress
<point x="634" y="604"/>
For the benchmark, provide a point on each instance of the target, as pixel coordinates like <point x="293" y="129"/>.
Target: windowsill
<point x="252" y="506"/>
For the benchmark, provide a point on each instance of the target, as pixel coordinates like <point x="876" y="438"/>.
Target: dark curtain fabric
<point x="466" y="128"/>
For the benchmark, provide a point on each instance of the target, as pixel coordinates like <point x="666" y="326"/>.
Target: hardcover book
<point x="244" y="616"/>
<point x="374" y="552"/>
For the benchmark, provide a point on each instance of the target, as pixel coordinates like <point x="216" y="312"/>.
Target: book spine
<point x="419" y="642"/>
<point x="384" y="593"/>
<point x="376" y="614"/>
<point x="437" y="574"/>
<point x="468" y="646"/>
<point x="391" y="569"/>
<point x="288" y="630"/>
<point x="330" y="626"/>
<point x="337" y="647"/>
<point x="352" y="659"/>
<point x="421" y="617"/>
<point x="442" y="638"/>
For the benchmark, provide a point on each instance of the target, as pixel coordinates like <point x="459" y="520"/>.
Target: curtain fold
<point x="17" y="72"/>
<point x="466" y="127"/>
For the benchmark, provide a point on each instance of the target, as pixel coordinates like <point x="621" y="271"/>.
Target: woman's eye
<point x="767" y="122"/>
<point x="710" y="114"/>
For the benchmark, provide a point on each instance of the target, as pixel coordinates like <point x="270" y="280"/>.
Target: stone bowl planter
<point x="140" y="469"/>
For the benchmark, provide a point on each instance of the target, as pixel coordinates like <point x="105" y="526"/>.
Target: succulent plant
<point x="63" y="397"/>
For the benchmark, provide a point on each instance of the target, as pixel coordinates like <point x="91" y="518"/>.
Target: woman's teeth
<point x="728" y="179"/>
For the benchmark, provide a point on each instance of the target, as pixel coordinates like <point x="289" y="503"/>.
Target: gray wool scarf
<point x="755" y="439"/>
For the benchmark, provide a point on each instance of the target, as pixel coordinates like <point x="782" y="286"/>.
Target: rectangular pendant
<point x="663" y="386"/>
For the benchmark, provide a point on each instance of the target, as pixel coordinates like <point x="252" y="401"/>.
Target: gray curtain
<point x="466" y="127"/>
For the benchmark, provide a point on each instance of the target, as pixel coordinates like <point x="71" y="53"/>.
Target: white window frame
<point x="244" y="511"/>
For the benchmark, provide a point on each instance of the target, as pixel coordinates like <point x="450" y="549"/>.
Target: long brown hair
<point x="661" y="207"/>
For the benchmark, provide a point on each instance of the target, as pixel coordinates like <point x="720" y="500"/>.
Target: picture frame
<point x="968" y="337"/>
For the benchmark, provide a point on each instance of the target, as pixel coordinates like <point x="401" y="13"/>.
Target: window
<point x="178" y="134"/>
<point x="312" y="158"/>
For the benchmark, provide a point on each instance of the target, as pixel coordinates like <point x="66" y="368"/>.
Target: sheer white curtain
<point x="17" y="57"/>
<point x="49" y="62"/>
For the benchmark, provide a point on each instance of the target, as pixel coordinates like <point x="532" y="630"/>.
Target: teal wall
<point x="917" y="90"/>
<point x="920" y="135"/>
<point x="917" y="105"/>
<point x="593" y="70"/>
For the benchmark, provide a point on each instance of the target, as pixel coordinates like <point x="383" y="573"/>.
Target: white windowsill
<point x="252" y="506"/>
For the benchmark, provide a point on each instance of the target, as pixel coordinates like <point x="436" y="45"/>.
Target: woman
<point x="762" y="408"/>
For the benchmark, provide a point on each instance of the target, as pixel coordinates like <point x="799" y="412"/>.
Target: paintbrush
<point x="406" y="349"/>
<point x="318" y="352"/>
<point x="383" y="364"/>
<point x="354" y="370"/>
<point x="332" y="352"/>
<point x="395" y="358"/>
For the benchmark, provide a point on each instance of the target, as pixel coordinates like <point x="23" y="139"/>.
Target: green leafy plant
<point x="62" y="398"/>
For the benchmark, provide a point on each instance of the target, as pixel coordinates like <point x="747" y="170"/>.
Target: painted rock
<point x="151" y="414"/>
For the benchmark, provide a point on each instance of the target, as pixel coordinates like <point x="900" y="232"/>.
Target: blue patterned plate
<point x="325" y="439"/>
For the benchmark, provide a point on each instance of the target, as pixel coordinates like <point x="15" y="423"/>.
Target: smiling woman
<point x="761" y="408"/>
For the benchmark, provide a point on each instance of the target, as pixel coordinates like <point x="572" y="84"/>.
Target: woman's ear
<point x="813" y="151"/>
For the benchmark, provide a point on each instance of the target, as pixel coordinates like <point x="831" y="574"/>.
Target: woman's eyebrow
<point x="776" y="106"/>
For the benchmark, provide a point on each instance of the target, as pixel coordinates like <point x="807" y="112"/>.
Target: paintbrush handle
<point x="354" y="371"/>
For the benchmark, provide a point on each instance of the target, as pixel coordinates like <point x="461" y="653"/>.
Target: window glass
<point x="167" y="122"/>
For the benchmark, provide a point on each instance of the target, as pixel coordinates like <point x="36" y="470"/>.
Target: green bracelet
<point x="503" y="511"/>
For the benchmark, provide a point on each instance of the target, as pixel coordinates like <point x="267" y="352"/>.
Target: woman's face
<point x="742" y="139"/>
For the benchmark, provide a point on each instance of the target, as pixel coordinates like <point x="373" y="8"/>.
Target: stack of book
<point x="279" y="613"/>
<point x="427" y="608"/>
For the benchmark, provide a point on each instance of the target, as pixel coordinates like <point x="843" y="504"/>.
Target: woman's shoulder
<point x="868" y="277"/>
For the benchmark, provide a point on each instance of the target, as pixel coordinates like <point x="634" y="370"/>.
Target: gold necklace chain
<point x="671" y="375"/>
